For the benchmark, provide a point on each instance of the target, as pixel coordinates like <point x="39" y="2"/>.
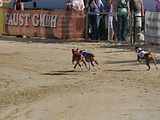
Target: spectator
<point x="68" y="5"/>
<point x="137" y="9"/>
<point x="18" y="5"/>
<point x="34" y="4"/>
<point x="109" y="19"/>
<point x="158" y="5"/>
<point x="95" y="7"/>
<point x="122" y="15"/>
<point x="78" y="5"/>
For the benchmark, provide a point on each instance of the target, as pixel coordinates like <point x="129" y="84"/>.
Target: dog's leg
<point x="89" y="65"/>
<point x="84" y="63"/>
<point x="141" y="60"/>
<point x="80" y="65"/>
<point x="138" y="60"/>
<point x="75" y="65"/>
<point x="93" y="65"/>
<point x="147" y="63"/>
<point x="137" y="63"/>
<point x="154" y="61"/>
<point x="97" y="63"/>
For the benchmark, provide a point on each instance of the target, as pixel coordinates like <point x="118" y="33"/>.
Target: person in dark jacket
<point x="18" y="5"/>
<point x="94" y="9"/>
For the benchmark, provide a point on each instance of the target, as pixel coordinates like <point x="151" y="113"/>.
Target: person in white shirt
<point x="78" y="5"/>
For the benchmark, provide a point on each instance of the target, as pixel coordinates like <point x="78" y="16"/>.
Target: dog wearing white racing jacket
<point x="147" y="56"/>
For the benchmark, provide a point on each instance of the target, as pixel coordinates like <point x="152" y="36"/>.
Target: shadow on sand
<point x="120" y="61"/>
<point x="132" y="62"/>
<point x="120" y="70"/>
<point x="63" y="72"/>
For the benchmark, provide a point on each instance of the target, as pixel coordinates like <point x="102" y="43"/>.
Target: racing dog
<point x="147" y="56"/>
<point x="77" y="57"/>
<point x="90" y="58"/>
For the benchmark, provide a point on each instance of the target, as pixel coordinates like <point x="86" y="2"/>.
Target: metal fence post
<point x="1" y="21"/>
<point x="86" y="26"/>
<point x="131" y="29"/>
<point x="134" y="29"/>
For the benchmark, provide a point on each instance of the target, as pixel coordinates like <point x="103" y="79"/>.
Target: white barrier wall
<point x="152" y="27"/>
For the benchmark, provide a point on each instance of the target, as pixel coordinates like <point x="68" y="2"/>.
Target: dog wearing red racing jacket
<point x="77" y="57"/>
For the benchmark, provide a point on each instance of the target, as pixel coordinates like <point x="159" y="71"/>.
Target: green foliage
<point x="5" y="5"/>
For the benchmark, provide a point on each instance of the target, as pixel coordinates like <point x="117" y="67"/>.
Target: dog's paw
<point x="137" y="63"/>
<point x="99" y="67"/>
<point x="148" y="69"/>
<point x="95" y="68"/>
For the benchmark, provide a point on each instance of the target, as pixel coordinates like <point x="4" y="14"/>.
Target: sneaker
<point x="24" y="36"/>
<point x="110" y="40"/>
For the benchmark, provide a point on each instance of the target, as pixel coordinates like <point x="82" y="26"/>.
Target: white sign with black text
<point x="22" y="19"/>
<point x="152" y="27"/>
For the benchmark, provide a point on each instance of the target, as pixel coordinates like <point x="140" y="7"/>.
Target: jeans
<point x="121" y="27"/>
<point x="94" y="21"/>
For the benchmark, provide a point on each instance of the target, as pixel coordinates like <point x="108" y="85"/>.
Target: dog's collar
<point x="140" y="51"/>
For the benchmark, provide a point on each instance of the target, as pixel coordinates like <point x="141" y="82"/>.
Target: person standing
<point x="137" y="9"/>
<point x="98" y="16"/>
<point x="94" y="9"/>
<point x="122" y="15"/>
<point x="18" y="5"/>
<point x="91" y="18"/>
<point x="109" y="20"/>
<point x="78" y="5"/>
<point x="68" y="5"/>
<point x="157" y="5"/>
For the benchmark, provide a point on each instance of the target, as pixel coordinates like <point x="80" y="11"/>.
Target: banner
<point x="6" y="1"/>
<point x="152" y="27"/>
<point x="43" y="23"/>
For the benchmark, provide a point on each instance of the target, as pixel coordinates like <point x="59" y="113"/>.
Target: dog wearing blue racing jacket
<point x="90" y="58"/>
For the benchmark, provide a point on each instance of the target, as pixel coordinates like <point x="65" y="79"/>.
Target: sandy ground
<point x="37" y="82"/>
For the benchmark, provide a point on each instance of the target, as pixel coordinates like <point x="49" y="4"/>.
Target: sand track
<point x="37" y="82"/>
